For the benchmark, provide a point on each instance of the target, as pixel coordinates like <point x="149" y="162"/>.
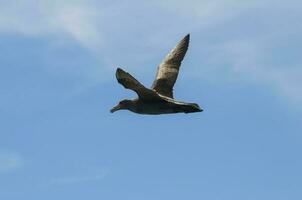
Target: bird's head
<point x="122" y="105"/>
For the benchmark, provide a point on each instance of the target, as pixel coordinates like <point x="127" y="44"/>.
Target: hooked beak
<point x="115" y="108"/>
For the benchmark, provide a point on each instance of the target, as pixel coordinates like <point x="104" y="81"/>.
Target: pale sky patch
<point x="9" y="162"/>
<point x="81" y="177"/>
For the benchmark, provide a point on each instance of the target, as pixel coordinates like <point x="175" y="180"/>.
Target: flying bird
<point x="159" y="99"/>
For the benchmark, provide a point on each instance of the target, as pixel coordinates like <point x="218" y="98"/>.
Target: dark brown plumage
<point x="168" y="69"/>
<point x="158" y="99"/>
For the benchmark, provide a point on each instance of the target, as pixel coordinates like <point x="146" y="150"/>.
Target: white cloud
<point x="46" y="17"/>
<point x="9" y="162"/>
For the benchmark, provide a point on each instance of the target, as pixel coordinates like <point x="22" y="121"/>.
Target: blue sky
<point x="57" y="84"/>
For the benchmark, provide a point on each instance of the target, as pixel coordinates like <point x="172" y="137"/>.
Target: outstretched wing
<point x="129" y="82"/>
<point x="168" y="69"/>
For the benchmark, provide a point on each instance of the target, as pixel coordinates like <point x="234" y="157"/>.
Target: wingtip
<point x="118" y="71"/>
<point x="185" y="40"/>
<point x="187" y="37"/>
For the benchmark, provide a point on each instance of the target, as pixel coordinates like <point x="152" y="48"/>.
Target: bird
<point x="159" y="98"/>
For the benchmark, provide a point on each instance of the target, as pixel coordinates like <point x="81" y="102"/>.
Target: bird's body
<point x="164" y="106"/>
<point x="158" y="99"/>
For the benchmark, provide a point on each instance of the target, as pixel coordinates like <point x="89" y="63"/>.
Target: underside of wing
<point x="129" y="82"/>
<point x="167" y="71"/>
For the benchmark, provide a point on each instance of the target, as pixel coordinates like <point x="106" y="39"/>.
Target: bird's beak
<point x="116" y="108"/>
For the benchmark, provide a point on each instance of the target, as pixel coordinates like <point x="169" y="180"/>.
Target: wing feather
<point x="168" y="69"/>
<point x="129" y="82"/>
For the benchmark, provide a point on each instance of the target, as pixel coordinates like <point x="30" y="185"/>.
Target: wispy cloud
<point x="80" y="178"/>
<point x="252" y="41"/>
<point x="76" y="19"/>
<point x="268" y="57"/>
<point x="241" y="37"/>
<point x="9" y="162"/>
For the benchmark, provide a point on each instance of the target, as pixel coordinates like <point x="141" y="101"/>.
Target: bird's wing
<point x="129" y="82"/>
<point x="168" y="69"/>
